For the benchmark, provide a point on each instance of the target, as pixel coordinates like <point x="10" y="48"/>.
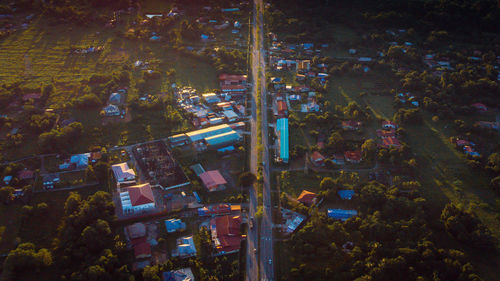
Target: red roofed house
<point x="231" y="83"/>
<point x="142" y="249"/>
<point x="281" y="108"/>
<point x="480" y="107"/>
<point x="389" y="125"/>
<point x="25" y="174"/>
<point x="353" y="156"/>
<point x="137" y="199"/>
<point x="33" y="96"/>
<point x="351" y="125"/>
<point x="307" y="198"/>
<point x="213" y="180"/>
<point x="226" y="233"/>
<point x="386" y="133"/>
<point x="390" y="142"/>
<point x="317" y="159"/>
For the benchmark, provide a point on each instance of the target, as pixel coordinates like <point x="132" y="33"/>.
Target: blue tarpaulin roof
<point x="346" y="194"/>
<point x="341" y="214"/>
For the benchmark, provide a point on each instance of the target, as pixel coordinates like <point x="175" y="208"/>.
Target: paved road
<point x="266" y="252"/>
<point x="252" y="267"/>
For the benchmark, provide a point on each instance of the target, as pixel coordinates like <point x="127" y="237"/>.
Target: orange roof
<point x="281" y="106"/>
<point x="316" y="156"/>
<point x="141" y="194"/>
<point x="387" y="142"/>
<point x="386" y="134"/>
<point x="307" y="197"/>
<point x="353" y="155"/>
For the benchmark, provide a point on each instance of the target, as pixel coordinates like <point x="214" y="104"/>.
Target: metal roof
<point x="282" y="126"/>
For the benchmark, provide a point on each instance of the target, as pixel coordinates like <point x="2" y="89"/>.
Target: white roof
<point x="122" y="171"/>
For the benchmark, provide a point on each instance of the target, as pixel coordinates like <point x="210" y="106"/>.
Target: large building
<point x="213" y="180"/>
<point x="282" y="133"/>
<point x="202" y="134"/>
<point x="137" y="199"/>
<point x="223" y="139"/>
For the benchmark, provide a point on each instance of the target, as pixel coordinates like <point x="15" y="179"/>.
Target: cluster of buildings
<point x="215" y="137"/>
<point x="214" y="108"/>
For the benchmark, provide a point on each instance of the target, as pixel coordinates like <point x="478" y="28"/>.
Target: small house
<point x="317" y="159"/>
<point x="389" y="125"/>
<point x="213" y="180"/>
<point x="307" y="198"/>
<point x="353" y="156"/>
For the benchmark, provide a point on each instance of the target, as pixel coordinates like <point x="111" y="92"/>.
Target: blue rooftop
<point x="346" y="194"/>
<point x="341" y="214"/>
<point x="282" y="127"/>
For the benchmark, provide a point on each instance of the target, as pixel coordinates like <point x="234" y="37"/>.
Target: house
<point x="137" y="199"/>
<point x="341" y="214"/>
<point x="232" y="79"/>
<point x="461" y="143"/>
<point x="178" y="140"/>
<point x="390" y="142"/>
<point x="386" y="133"/>
<point x="346" y="194"/>
<point x="142" y="249"/>
<point x="185" y="247"/>
<point x="351" y="125"/>
<point x="281" y="108"/>
<point x="389" y="125"/>
<point x="338" y="159"/>
<point x="174" y="225"/>
<point x="25" y="174"/>
<point x="317" y="159"/>
<point x="213" y="180"/>
<point x="31" y="96"/>
<point x="303" y="65"/>
<point x="136" y="230"/>
<point x="183" y="274"/>
<point x="211" y="98"/>
<point x="115" y="98"/>
<point x="50" y="180"/>
<point x="123" y="173"/>
<point x="230" y="115"/>
<point x="226" y="234"/>
<point x="488" y="125"/>
<point x="219" y="209"/>
<point x="111" y="110"/>
<point x="307" y="198"/>
<point x="80" y="161"/>
<point x="364" y="59"/>
<point x="7" y="179"/>
<point x="353" y="156"/>
<point x="234" y="89"/>
<point x="470" y="151"/>
<point x="479" y="107"/>
<point x="95" y="156"/>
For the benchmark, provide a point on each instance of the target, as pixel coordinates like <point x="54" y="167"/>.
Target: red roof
<point x="307" y="197"/>
<point x="317" y="157"/>
<point x="281" y="106"/>
<point x="386" y="134"/>
<point x="228" y="232"/>
<point x="353" y="155"/>
<point x="235" y="77"/>
<point x="212" y="179"/>
<point x="142" y="249"/>
<point x="141" y="194"/>
<point x="25" y="174"/>
<point x="388" y="142"/>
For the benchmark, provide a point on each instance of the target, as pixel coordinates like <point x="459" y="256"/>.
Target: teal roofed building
<point x="223" y="139"/>
<point x="282" y="133"/>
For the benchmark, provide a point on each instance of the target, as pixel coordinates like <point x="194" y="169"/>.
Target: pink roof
<point x="141" y="194"/>
<point x="462" y="142"/>
<point x="234" y="77"/>
<point x="25" y="174"/>
<point x="34" y="96"/>
<point x="212" y="179"/>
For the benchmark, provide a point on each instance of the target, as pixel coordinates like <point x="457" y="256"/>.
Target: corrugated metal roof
<point x="208" y="132"/>
<point x="223" y="138"/>
<point x="282" y="126"/>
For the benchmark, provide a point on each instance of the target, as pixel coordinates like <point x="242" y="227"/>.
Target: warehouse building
<point x="199" y="135"/>
<point x="223" y="139"/>
<point x="282" y="133"/>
